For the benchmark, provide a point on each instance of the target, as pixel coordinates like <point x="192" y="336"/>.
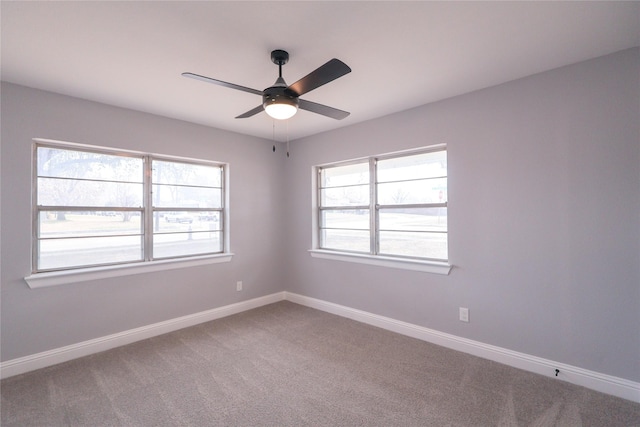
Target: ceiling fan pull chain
<point x="287" y="138"/>
<point x="274" y="136"/>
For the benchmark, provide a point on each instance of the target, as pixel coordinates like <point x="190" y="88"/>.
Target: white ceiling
<point x="403" y="54"/>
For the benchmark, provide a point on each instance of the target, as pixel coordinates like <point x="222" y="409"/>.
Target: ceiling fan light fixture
<point x="281" y="111"/>
<point x="280" y="101"/>
<point x="280" y="107"/>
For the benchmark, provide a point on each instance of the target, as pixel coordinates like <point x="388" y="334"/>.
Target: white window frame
<point x="43" y="278"/>
<point x="373" y="257"/>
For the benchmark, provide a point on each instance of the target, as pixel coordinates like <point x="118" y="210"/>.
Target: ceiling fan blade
<point x="325" y="110"/>
<point x="221" y="83"/>
<point x="251" y="112"/>
<point x="320" y="76"/>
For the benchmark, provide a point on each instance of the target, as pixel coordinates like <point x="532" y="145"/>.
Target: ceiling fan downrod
<point x="279" y="57"/>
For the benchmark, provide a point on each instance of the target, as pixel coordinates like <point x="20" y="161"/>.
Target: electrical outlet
<point x="464" y="314"/>
<point x="239" y="285"/>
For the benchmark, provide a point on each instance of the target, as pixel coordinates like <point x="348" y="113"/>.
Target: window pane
<point x="357" y="195"/>
<point x="67" y="163"/>
<point x="78" y="224"/>
<point x="408" y="192"/>
<point x="166" y="172"/>
<point x="349" y="219"/>
<point x="213" y="216"/>
<point x="422" y="219"/>
<point x="346" y="240"/>
<point x="72" y="192"/>
<point x="426" y="165"/>
<point x="169" y="196"/>
<point x="73" y="252"/>
<point x="412" y="244"/>
<point x="344" y="175"/>
<point x="184" y="244"/>
<point x="176" y="222"/>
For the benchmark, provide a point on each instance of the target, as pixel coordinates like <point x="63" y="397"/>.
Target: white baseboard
<point x="85" y="348"/>
<point x="608" y="384"/>
<point x="593" y="380"/>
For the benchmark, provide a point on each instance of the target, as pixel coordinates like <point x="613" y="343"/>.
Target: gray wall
<point x="544" y="203"/>
<point x="544" y="219"/>
<point x="35" y="320"/>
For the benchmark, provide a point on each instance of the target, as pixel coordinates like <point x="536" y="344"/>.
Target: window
<point x="97" y="207"/>
<point x="392" y="206"/>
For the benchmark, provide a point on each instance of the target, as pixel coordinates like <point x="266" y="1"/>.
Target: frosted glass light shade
<point x="281" y="111"/>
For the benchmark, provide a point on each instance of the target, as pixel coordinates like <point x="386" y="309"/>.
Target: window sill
<point x="404" y="264"/>
<point x="54" y="278"/>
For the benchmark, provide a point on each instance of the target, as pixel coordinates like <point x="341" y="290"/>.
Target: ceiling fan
<point x="281" y="101"/>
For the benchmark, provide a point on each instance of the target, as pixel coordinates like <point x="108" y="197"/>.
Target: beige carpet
<point x="289" y="365"/>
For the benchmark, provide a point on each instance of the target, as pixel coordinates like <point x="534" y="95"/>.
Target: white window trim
<point x="55" y="278"/>
<point x="383" y="261"/>
<point x="426" y="266"/>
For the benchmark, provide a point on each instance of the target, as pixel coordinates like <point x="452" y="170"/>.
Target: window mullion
<point x="373" y="206"/>
<point x="148" y="211"/>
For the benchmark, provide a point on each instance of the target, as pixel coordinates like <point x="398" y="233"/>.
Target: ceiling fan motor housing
<point x="279" y="95"/>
